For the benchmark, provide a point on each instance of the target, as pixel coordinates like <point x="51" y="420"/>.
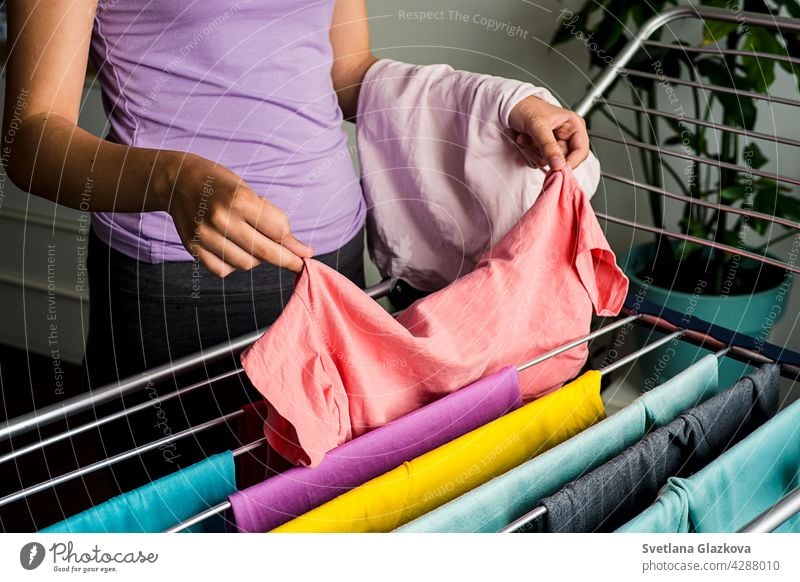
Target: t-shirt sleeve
<point x="595" y="262"/>
<point x="307" y="412"/>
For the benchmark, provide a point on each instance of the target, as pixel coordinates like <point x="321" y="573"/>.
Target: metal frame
<point x="775" y="516"/>
<point x="596" y="96"/>
<point x="661" y="20"/>
<point x="693" y="158"/>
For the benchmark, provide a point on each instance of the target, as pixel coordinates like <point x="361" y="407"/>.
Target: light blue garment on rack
<point x="728" y="493"/>
<point x="496" y="504"/>
<point x="162" y="504"/>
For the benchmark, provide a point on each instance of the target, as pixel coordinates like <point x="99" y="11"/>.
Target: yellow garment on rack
<point x="420" y="485"/>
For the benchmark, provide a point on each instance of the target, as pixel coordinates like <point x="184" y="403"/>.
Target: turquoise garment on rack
<point x="728" y="493"/>
<point x="496" y="504"/>
<point x="162" y="504"/>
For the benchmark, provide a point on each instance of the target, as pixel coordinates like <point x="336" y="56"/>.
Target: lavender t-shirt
<point x="245" y="83"/>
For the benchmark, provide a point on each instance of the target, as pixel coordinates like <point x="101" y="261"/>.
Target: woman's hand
<point x="549" y="135"/>
<point x="221" y="221"/>
<point x="226" y="225"/>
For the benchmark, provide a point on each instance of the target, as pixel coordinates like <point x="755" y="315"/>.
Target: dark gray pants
<point x="143" y="315"/>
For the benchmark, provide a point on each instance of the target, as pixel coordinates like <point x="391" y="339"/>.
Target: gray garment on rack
<point x="615" y="492"/>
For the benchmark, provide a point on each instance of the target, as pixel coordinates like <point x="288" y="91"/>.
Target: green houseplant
<point x="685" y="276"/>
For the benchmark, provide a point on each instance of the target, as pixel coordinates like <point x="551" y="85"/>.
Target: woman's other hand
<point x="549" y="135"/>
<point x="224" y="224"/>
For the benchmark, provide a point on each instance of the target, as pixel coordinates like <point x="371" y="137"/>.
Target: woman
<point x="224" y="166"/>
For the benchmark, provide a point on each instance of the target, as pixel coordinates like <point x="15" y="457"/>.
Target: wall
<point x="43" y="286"/>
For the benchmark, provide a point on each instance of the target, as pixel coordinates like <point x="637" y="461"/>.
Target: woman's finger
<point x="544" y="139"/>
<point x="574" y="133"/>
<point x="579" y="148"/>
<point x="271" y="221"/>
<point x="296" y="247"/>
<point x="264" y="248"/>
<point x="534" y="156"/>
<point x="227" y="250"/>
<point x="213" y="263"/>
<point x="525" y="142"/>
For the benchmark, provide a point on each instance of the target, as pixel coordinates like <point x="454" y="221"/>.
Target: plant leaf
<point x="716" y="31"/>
<point x="731" y="237"/>
<point x="638" y="13"/>
<point x="740" y="112"/>
<point x="733" y="193"/>
<point x="684" y="249"/>
<point x="792" y="48"/>
<point x="561" y="36"/>
<point x="693" y="227"/>
<point x="716" y="70"/>
<point x="564" y="34"/>
<point x="767" y="184"/>
<point x="792" y="7"/>
<point x="769" y="200"/>
<point x="788" y="207"/>
<point x="761" y="72"/>
<point x="753" y="155"/>
<point x="755" y="6"/>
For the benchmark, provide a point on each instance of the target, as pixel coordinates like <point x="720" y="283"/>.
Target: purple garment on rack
<point x="279" y="499"/>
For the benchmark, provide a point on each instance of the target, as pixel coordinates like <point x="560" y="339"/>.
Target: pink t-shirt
<point x="336" y="364"/>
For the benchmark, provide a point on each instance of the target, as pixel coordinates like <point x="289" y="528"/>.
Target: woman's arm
<point x="548" y="135"/>
<point x="351" y="52"/>
<point x="46" y="153"/>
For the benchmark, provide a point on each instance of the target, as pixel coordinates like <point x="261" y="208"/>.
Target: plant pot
<point x="753" y="314"/>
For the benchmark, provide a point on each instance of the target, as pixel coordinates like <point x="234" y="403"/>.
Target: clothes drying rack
<point x="699" y="333"/>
